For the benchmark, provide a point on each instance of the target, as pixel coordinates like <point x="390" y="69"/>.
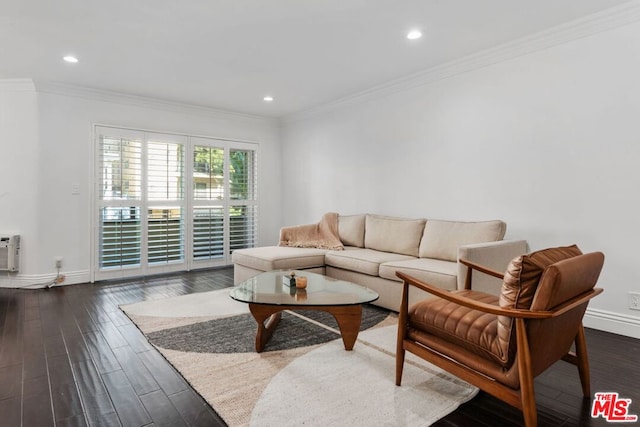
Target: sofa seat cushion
<point x="442" y="274"/>
<point x="366" y="261"/>
<point x="471" y="329"/>
<point x="269" y="258"/>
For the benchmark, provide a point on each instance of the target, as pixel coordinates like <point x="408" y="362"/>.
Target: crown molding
<point x="94" y="94"/>
<point x="17" y="85"/>
<point x="608" y="19"/>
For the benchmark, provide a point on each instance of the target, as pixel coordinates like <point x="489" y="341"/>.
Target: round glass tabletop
<point x="273" y="288"/>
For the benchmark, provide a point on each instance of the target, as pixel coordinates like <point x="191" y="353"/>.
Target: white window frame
<point x="186" y="204"/>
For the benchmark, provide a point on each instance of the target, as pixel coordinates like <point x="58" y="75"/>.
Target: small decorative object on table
<point x="301" y="282"/>
<point x="290" y="279"/>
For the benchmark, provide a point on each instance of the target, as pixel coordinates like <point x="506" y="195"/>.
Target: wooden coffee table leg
<point x="262" y="313"/>
<point x="349" y="318"/>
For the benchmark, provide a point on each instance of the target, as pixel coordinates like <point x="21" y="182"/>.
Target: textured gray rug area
<point x="236" y="334"/>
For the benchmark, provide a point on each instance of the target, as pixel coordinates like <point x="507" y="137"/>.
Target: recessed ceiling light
<point x="268" y="98"/>
<point x="414" y="34"/>
<point x="70" y="59"/>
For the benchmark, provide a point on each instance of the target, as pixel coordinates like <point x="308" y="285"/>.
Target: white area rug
<point x="317" y="384"/>
<point x="333" y="387"/>
<point x="204" y="304"/>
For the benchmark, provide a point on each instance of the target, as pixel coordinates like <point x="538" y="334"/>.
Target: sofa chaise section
<point x="248" y="263"/>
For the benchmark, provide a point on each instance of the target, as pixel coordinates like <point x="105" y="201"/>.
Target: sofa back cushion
<point x="351" y="230"/>
<point x="520" y="284"/>
<point x="391" y="234"/>
<point x="441" y="239"/>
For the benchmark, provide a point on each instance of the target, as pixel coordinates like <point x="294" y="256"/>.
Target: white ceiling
<point x="228" y="54"/>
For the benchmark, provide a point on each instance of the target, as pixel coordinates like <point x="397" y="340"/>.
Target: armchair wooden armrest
<point x="490" y="308"/>
<point x="473" y="266"/>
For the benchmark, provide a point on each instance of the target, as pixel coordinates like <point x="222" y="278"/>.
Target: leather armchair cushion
<point x="520" y="284"/>
<point x="567" y="279"/>
<point x="471" y="329"/>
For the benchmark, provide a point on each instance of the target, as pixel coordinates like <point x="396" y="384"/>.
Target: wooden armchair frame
<point x="522" y="398"/>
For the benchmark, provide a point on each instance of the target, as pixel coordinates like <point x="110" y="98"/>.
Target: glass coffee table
<point x="268" y="296"/>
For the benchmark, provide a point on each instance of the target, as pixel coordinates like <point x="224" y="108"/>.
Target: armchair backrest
<point x="520" y="285"/>
<point x="567" y="279"/>
<point x="550" y="339"/>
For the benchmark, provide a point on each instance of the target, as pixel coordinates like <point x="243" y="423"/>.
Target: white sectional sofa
<point x="376" y="247"/>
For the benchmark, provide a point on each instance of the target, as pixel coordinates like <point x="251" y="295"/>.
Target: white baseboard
<point x="609" y="321"/>
<point x="38" y="281"/>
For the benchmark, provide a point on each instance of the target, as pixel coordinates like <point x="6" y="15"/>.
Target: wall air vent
<point x="9" y="253"/>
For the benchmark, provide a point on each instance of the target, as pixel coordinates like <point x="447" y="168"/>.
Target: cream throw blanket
<point x="323" y="235"/>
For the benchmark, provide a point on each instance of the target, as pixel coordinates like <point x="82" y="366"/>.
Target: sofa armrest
<point x="494" y="255"/>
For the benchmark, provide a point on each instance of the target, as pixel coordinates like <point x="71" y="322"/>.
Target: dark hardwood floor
<point x="70" y="357"/>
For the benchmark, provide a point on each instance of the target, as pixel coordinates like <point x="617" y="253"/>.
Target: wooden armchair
<point x="500" y="344"/>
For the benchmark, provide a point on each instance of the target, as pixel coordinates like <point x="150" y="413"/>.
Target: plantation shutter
<point x="208" y="233"/>
<point x="165" y="214"/>
<point x="209" y="184"/>
<point x="243" y="211"/>
<point x="120" y="195"/>
<point x="225" y="210"/>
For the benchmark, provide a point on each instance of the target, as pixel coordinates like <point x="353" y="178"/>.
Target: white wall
<point x="548" y="141"/>
<point x="19" y="174"/>
<point x="58" y="130"/>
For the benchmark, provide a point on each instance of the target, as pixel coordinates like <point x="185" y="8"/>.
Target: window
<point x="158" y="212"/>
<point x="224" y="201"/>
